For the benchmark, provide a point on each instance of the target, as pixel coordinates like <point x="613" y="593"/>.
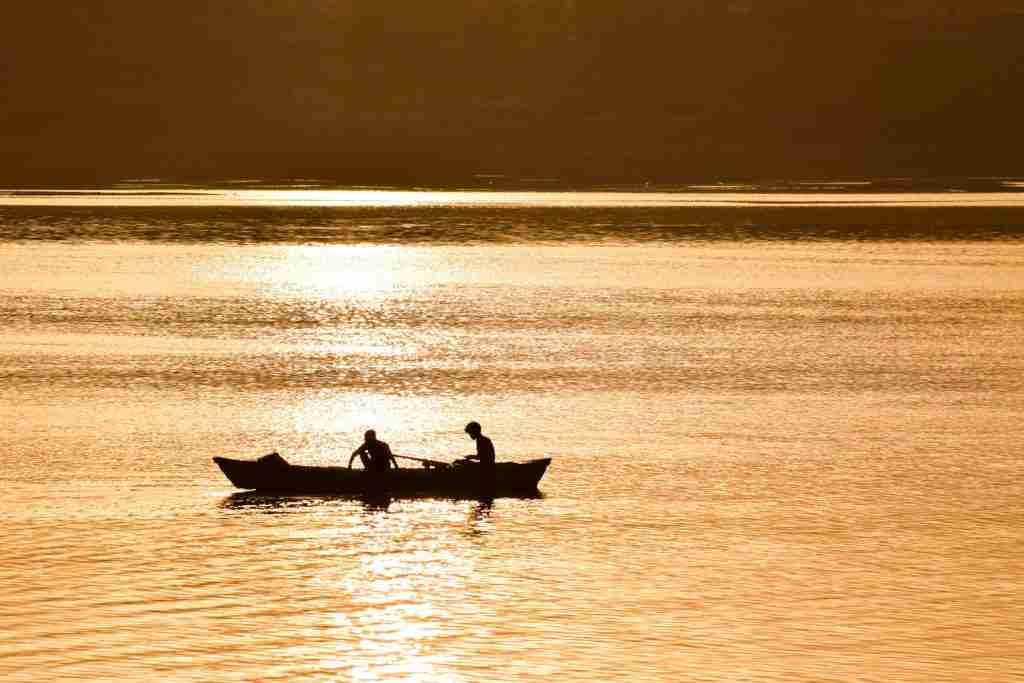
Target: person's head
<point x="370" y="436"/>
<point x="473" y="429"/>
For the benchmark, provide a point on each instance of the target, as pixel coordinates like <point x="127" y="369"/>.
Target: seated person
<point x="484" y="447"/>
<point x="375" y="454"/>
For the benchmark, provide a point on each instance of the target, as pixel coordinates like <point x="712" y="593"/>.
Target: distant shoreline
<point x="485" y="183"/>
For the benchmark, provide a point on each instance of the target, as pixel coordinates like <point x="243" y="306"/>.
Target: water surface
<point x="786" y="437"/>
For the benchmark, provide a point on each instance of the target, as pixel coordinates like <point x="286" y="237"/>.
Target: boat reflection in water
<point x="272" y="503"/>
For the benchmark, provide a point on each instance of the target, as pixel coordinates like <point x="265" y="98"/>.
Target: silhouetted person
<point x="484" y="453"/>
<point x="375" y="454"/>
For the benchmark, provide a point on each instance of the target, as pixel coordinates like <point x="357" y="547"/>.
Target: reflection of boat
<point x="284" y="502"/>
<point x="274" y="473"/>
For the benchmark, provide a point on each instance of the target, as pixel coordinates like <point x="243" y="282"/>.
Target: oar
<point x="435" y="463"/>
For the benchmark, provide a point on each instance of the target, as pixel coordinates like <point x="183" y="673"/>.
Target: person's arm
<point x="391" y="457"/>
<point x="358" y="451"/>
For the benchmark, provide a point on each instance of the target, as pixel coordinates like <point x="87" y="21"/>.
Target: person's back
<point x="485" y="451"/>
<point x="484" y="454"/>
<point x="380" y="456"/>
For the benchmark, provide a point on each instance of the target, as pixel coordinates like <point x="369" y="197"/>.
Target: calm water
<point x="787" y="435"/>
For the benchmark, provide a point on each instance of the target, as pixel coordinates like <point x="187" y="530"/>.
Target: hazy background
<point x="399" y="91"/>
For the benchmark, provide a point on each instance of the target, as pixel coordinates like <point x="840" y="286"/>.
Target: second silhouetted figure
<point x="375" y="454"/>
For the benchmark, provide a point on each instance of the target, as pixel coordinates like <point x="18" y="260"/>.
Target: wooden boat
<point x="272" y="473"/>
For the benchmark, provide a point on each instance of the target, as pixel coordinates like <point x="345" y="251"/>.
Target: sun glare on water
<point x="686" y="196"/>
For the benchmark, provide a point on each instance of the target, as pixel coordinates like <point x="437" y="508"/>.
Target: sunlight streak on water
<point x="428" y="198"/>
<point x="329" y="272"/>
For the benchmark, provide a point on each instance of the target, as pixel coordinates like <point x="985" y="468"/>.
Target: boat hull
<point x="277" y="476"/>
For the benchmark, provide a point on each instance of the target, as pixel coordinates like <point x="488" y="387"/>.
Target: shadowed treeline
<point x="399" y="91"/>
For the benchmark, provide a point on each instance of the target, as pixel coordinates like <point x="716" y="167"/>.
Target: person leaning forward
<point x="484" y="448"/>
<point x="375" y="454"/>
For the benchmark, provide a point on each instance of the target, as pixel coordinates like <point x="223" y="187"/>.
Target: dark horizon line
<point x="510" y="182"/>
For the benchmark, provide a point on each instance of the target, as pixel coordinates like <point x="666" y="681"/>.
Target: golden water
<point x="787" y="447"/>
